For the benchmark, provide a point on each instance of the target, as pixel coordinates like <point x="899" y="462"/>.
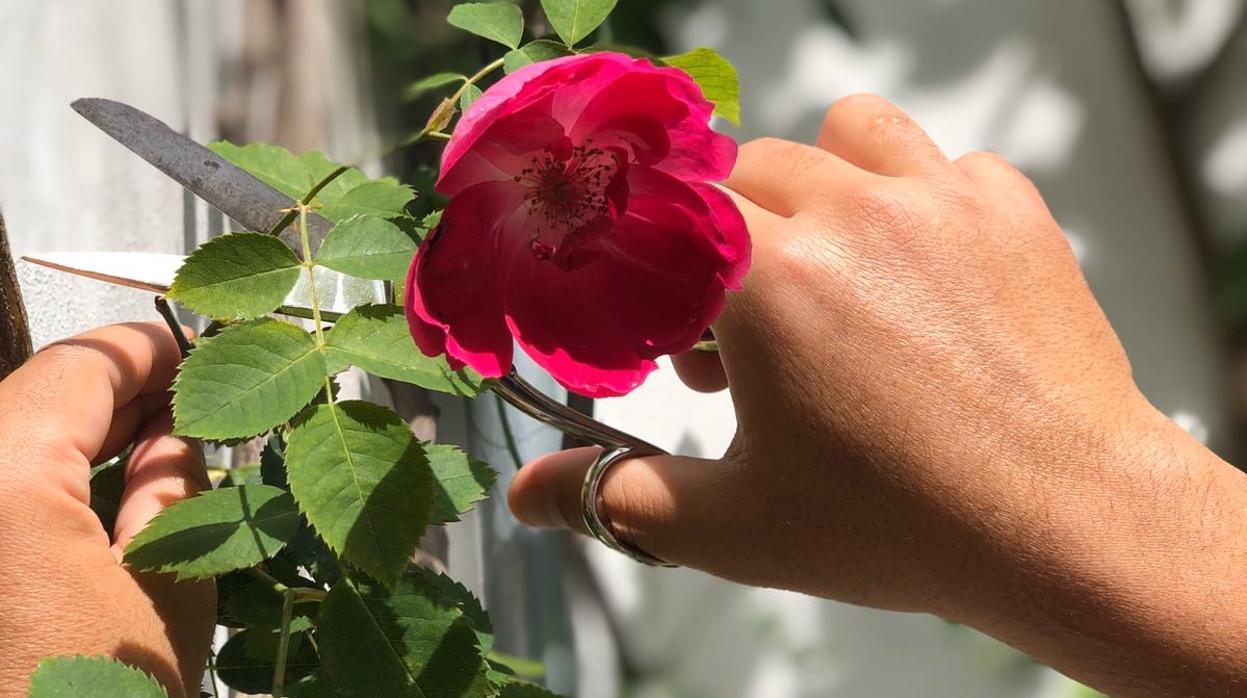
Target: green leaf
<point x="460" y="481"/>
<point x="382" y="197"/>
<point x="368" y="247"/>
<point x="418" y="88"/>
<point x="320" y="167"/>
<point x="108" y="482"/>
<point x="273" y="165"/>
<point x="519" y="689"/>
<point x="349" y="194"/>
<point x="216" y="532"/>
<point x="247" y="661"/>
<point x="236" y="277"/>
<point x="497" y="21"/>
<point x="534" y="52"/>
<point x="376" y="339"/>
<point x="468" y="97"/>
<point x="259" y="607"/>
<point x="412" y="643"/>
<point x="246" y="380"/>
<point x="362" y="480"/>
<point x="448" y="591"/>
<point x="91" y="677"/>
<point x="716" y="77"/>
<point x="573" y="20"/>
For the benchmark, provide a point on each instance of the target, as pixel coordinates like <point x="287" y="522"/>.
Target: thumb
<point x="669" y="506"/>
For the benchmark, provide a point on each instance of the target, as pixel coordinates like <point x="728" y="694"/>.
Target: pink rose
<point x="581" y="224"/>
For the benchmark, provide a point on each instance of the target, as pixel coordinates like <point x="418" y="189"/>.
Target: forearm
<point x="1136" y="579"/>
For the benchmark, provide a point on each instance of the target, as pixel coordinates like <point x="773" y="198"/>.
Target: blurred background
<point x="1130" y="115"/>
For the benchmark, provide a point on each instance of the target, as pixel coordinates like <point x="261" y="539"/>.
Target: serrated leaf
<point x="573" y="20"/>
<point x="91" y="677"/>
<point x="497" y="21"/>
<point x="449" y="591"/>
<point x="349" y="194"/>
<point x="419" y="88"/>
<point x="216" y="532"/>
<point x="405" y="644"/>
<point x="259" y="607"/>
<point x="716" y="77"/>
<point x="461" y="481"/>
<point x="236" y="277"/>
<point x="108" y="482"/>
<point x="248" y="660"/>
<point x="275" y="166"/>
<point x="368" y="247"/>
<point x="246" y="380"/>
<point x="468" y="97"/>
<point x="534" y="52"/>
<point x="376" y="339"/>
<point x="383" y="197"/>
<point x="362" y="480"/>
<point x="273" y="463"/>
<point x="319" y="166"/>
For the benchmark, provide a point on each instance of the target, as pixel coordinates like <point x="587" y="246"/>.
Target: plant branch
<point x="433" y="127"/>
<point x="283" y="645"/>
<point x="306" y="200"/>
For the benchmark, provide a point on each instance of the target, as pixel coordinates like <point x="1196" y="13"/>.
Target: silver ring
<point x="589" y="506"/>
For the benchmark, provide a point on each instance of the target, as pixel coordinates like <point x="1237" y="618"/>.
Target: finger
<point x="162" y="469"/>
<point x="785" y="177"/>
<point x="700" y="370"/>
<point x="996" y="175"/>
<point x="64" y="398"/>
<point x="668" y="506"/>
<point x="126" y="422"/>
<point x="875" y="135"/>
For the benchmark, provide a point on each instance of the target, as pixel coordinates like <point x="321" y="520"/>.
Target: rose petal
<point x="455" y="284"/>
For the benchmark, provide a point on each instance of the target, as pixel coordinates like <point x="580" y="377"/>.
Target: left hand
<point x="77" y="403"/>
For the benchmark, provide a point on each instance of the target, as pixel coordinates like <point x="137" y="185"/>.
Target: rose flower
<point x="581" y="224"/>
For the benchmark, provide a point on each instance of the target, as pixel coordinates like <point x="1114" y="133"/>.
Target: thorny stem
<point x="430" y="129"/>
<point x="283" y="645"/>
<point x="306" y="201"/>
<point x="310" y="265"/>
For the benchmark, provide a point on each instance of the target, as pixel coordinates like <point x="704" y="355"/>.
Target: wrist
<point x="1130" y="572"/>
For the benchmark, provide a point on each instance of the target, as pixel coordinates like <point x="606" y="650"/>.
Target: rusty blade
<point x="226" y="187"/>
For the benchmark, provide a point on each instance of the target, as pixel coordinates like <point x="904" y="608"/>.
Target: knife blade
<point x="225" y="186"/>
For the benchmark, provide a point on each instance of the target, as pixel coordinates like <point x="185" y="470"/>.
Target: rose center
<point x="564" y="193"/>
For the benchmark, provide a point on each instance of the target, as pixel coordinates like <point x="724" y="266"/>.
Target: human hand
<point x="935" y="415"/>
<point x="77" y="403"/>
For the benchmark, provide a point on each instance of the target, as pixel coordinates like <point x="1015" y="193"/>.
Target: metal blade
<point x="212" y="178"/>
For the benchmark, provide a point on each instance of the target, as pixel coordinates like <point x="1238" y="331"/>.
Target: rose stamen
<point x="563" y="194"/>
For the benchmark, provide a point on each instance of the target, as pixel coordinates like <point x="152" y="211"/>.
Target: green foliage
<point x="376" y="339"/>
<point x="368" y="247"/>
<point x="461" y="481"/>
<point x="519" y="689"/>
<point x="468" y="97"/>
<point x="363" y="481"/>
<point x="716" y="77"/>
<point x="534" y="52"/>
<point x="246" y="380"/>
<point x="573" y="20"/>
<point x="108" y="482"/>
<point x="216" y="532"/>
<point x="236" y="277"/>
<point x="246" y="662"/>
<point x="350" y="194"/>
<point x="502" y="22"/>
<point x="91" y="677"/>
<point x="419" y="88"/>
<point x="414" y="641"/>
